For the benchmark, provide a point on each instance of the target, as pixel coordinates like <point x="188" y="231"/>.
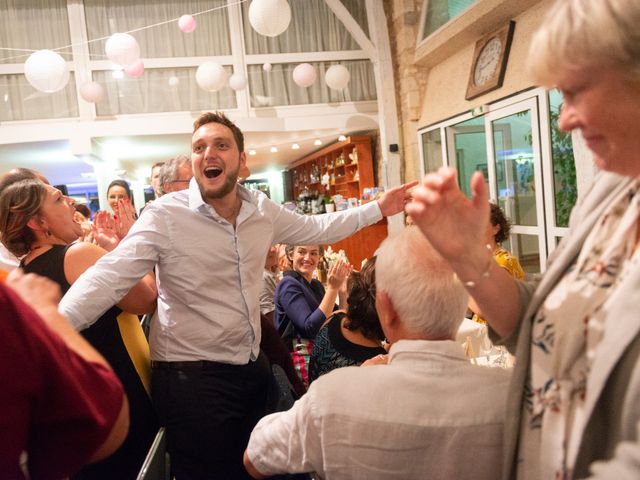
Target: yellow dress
<point x="510" y="264"/>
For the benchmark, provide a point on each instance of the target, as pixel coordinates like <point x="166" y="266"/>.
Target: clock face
<point x="488" y="61"/>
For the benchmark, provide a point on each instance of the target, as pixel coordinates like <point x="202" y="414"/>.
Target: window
<point x="439" y="12"/>
<point x="527" y="161"/>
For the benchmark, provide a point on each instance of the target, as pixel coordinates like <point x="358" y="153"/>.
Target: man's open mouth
<point x="212" y="172"/>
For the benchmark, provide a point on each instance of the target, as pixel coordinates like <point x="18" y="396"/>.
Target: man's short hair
<point x="169" y="171"/>
<point x="428" y="298"/>
<point x="221" y="118"/>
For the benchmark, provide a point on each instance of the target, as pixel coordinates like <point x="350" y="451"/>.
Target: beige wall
<point x="447" y="82"/>
<point x="431" y="87"/>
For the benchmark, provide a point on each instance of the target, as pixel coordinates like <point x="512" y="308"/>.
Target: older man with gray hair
<point x="176" y="174"/>
<point x="428" y="413"/>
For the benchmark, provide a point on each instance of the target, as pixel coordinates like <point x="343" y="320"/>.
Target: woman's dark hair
<point x="362" y="315"/>
<point x="497" y="217"/>
<point x="19" y="202"/>
<point x="123" y="184"/>
<point x="83" y="209"/>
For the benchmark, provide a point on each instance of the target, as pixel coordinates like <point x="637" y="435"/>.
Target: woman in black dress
<point x="353" y="337"/>
<point x="37" y="223"/>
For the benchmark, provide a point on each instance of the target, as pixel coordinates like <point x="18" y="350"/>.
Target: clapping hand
<point x="124" y="217"/>
<point x="103" y="231"/>
<point x="338" y="274"/>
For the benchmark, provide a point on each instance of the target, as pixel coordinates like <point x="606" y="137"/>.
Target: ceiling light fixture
<point x="295" y="146"/>
<point x="342" y="138"/>
<point x="273" y="149"/>
<point x="317" y="142"/>
<point x="252" y="152"/>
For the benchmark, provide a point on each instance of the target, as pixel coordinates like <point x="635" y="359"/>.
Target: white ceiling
<point x="136" y="154"/>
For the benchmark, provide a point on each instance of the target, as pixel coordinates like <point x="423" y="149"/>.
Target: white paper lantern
<point x="122" y="48"/>
<point x="186" y="23"/>
<point x="237" y="81"/>
<point x="174" y="81"/>
<point x="337" y="77"/>
<point x="211" y="76"/>
<point x="46" y="71"/>
<point x="135" y="70"/>
<point x="304" y="75"/>
<point x="91" y="92"/>
<point x="267" y="67"/>
<point x="269" y="17"/>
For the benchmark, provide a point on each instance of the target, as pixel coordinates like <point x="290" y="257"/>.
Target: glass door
<point x="515" y="179"/>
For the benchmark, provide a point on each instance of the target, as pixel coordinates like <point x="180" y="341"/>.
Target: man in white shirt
<point x="175" y="174"/>
<point x="208" y="244"/>
<point x="428" y="414"/>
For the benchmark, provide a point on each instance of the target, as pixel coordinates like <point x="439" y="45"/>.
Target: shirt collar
<point x="407" y="349"/>
<point x="196" y="202"/>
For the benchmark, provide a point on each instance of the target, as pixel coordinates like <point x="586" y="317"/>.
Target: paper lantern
<point x="187" y="23"/>
<point x="135" y="70"/>
<point x="174" y="81"/>
<point x="304" y="75"/>
<point x="237" y="81"/>
<point x="267" y="67"/>
<point x="122" y="48"/>
<point x="210" y="76"/>
<point x="337" y="77"/>
<point x="46" y="71"/>
<point x="91" y="92"/>
<point x="269" y="17"/>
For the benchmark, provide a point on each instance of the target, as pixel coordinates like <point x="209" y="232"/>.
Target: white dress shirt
<point x="428" y="414"/>
<point x="209" y="274"/>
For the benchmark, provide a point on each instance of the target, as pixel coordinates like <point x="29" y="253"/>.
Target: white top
<point x="8" y="261"/>
<point x="209" y="275"/>
<point x="429" y="413"/>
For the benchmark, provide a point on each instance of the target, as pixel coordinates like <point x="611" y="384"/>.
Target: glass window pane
<point x="432" y="150"/>
<point x="440" y="12"/>
<point x="470" y="150"/>
<point x="564" y="166"/>
<point x="211" y="37"/>
<point x="20" y="101"/>
<point x="22" y="26"/>
<point x="527" y="249"/>
<point x="512" y="141"/>
<point x="156" y="91"/>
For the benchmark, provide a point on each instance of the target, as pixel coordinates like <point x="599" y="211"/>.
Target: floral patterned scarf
<point x="565" y="336"/>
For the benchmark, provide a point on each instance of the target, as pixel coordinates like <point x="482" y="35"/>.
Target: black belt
<point x="184" y="365"/>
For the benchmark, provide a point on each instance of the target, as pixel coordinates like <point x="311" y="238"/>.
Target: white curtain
<point x="211" y="37"/>
<point x="278" y="88"/>
<point x="152" y="93"/>
<point x="37" y="24"/>
<point x="33" y="25"/>
<point x="313" y="28"/>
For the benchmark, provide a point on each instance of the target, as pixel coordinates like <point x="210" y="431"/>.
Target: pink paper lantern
<point x="91" y="92"/>
<point x="267" y="67"/>
<point x="122" y="49"/>
<point x="187" y="23"/>
<point x="304" y="75"/>
<point x="135" y="70"/>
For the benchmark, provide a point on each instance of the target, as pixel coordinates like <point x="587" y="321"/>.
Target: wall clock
<point x="490" y="61"/>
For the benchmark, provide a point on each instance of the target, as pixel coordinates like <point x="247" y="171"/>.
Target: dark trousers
<point x="209" y="410"/>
